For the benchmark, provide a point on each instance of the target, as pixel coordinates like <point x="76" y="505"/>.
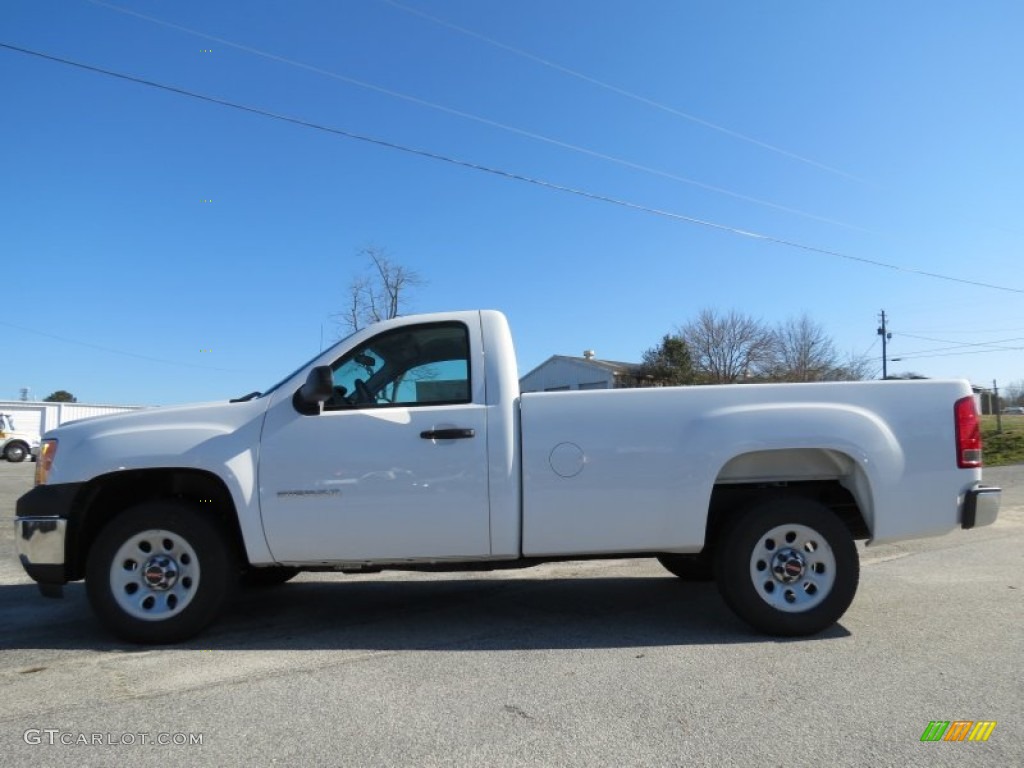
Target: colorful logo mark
<point x="958" y="730"/>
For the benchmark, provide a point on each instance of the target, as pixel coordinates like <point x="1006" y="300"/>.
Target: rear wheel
<point x="788" y="567"/>
<point x="159" y="572"/>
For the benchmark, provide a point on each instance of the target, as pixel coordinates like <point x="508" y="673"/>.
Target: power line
<point x="991" y="346"/>
<point x="867" y="351"/>
<point x="961" y="330"/>
<point x="482" y="120"/>
<point x="120" y="351"/>
<point x="959" y="343"/>
<point x="621" y="91"/>
<point x="514" y="176"/>
<point x="957" y="354"/>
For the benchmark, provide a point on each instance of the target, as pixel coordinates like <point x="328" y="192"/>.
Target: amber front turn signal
<point x="47" y="452"/>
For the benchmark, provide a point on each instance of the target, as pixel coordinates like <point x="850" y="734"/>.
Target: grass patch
<point x="1006" y="447"/>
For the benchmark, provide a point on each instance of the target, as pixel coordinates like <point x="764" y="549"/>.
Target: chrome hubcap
<point x="788" y="565"/>
<point x="792" y="568"/>
<point x="160" y="572"/>
<point x="154" y="575"/>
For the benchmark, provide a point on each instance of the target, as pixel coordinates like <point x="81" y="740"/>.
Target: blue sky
<point x="883" y="131"/>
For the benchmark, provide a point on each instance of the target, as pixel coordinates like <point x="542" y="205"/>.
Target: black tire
<point x="788" y="567"/>
<point x="700" y="567"/>
<point x="15" y="452"/>
<point x="159" y="572"/>
<point x="261" y="578"/>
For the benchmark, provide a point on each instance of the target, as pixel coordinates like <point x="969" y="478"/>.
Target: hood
<point x="198" y="436"/>
<point x="150" y="415"/>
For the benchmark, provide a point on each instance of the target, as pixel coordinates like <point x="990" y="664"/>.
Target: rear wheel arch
<point x="834" y="478"/>
<point x="731" y="499"/>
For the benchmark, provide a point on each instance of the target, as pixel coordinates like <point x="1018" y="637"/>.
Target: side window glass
<point x="446" y="381"/>
<point x="418" y="365"/>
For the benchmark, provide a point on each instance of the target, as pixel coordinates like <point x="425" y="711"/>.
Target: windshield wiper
<point x="245" y="398"/>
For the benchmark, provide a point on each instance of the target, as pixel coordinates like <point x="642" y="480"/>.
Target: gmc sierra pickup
<point x="409" y="445"/>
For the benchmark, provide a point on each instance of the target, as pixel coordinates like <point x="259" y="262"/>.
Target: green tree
<point x="60" y="396"/>
<point x="669" y="364"/>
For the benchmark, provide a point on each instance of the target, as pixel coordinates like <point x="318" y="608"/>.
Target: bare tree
<point x="381" y="292"/>
<point x="906" y="376"/>
<point x="802" y="351"/>
<point x="856" y="368"/>
<point x="728" y="348"/>
<point x="1013" y="393"/>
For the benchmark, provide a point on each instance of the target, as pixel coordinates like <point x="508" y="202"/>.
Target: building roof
<point x="611" y="366"/>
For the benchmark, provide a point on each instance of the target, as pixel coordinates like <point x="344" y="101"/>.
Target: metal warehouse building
<point x="37" y="417"/>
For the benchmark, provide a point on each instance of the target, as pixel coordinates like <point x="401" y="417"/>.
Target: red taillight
<point x="968" y="434"/>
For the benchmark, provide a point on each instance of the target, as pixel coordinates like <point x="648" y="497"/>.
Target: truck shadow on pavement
<point x="437" y="614"/>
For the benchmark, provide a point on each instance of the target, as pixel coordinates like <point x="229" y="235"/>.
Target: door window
<point x="422" y="364"/>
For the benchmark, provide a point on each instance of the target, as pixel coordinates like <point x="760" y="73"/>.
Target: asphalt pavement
<point x="598" y="663"/>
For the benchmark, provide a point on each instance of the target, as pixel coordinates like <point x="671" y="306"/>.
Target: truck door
<point x="395" y="466"/>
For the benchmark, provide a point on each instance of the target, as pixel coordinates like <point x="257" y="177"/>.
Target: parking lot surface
<point x="598" y="663"/>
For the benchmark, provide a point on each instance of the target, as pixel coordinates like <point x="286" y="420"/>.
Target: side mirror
<point x="319" y="387"/>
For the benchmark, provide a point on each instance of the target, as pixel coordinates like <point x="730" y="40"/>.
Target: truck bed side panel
<point x="633" y="470"/>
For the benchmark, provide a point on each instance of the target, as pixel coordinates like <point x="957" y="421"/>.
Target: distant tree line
<point x="734" y="348"/>
<point x="715" y="347"/>
<point x="1013" y="393"/>
<point x="60" y="396"/>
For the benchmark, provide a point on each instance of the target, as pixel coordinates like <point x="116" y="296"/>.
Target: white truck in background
<point x="408" y="445"/>
<point x="14" y="444"/>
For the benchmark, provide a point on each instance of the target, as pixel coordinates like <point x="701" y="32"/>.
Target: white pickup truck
<point x="408" y="445"/>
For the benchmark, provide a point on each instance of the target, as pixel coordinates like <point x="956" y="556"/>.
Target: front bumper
<point x="981" y="507"/>
<point x="40" y="545"/>
<point x="41" y="534"/>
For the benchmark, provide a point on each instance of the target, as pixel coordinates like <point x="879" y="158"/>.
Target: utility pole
<point x="885" y="337"/>
<point x="996" y="409"/>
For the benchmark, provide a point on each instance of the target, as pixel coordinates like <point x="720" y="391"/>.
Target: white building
<point x="561" y="372"/>
<point x="36" y="417"/>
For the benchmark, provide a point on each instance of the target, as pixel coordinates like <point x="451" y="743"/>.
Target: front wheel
<point x="159" y="573"/>
<point x="788" y="567"/>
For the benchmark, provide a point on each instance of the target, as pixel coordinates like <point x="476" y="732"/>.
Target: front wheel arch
<point x="105" y="497"/>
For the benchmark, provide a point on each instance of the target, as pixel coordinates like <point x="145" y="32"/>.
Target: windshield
<point x="304" y="365"/>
